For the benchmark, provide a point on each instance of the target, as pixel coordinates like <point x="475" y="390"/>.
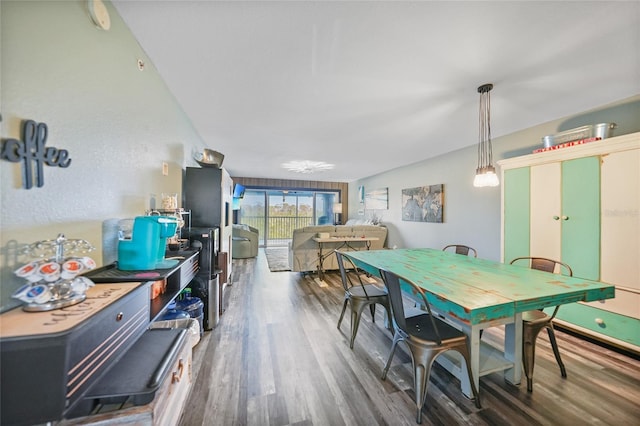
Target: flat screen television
<point x="238" y="191"/>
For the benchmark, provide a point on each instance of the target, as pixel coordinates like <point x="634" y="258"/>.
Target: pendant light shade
<point x="485" y="172"/>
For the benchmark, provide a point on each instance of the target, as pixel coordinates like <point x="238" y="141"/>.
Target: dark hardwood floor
<point x="277" y="358"/>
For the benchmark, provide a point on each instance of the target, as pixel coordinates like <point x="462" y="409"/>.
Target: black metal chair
<point x="534" y="321"/>
<point x="426" y="336"/>
<point x="360" y="296"/>
<point x="461" y="249"/>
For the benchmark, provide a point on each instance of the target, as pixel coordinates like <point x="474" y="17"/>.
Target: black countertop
<point x="111" y="273"/>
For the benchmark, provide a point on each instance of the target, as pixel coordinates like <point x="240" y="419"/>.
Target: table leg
<point x="320" y="260"/>
<point x="474" y="353"/>
<point x="513" y="349"/>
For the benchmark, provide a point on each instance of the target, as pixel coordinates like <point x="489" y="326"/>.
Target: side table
<point x="339" y="242"/>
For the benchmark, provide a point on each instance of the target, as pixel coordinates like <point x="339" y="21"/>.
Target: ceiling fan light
<point x="307" y="167"/>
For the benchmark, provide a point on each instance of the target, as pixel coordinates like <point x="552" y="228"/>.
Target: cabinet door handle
<point x="556" y="218"/>
<point x="565" y="217"/>
<point x="178" y="375"/>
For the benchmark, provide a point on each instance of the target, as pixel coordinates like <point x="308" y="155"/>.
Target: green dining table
<point x="473" y="294"/>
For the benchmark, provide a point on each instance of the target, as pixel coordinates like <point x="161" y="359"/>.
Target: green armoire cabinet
<point x="580" y="205"/>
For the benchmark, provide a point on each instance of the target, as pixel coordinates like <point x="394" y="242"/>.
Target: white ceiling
<point x="370" y="86"/>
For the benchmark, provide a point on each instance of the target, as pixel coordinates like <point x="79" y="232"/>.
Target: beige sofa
<point x="303" y="250"/>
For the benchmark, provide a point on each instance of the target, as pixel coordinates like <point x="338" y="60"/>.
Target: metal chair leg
<point x="421" y="377"/>
<point x="396" y="339"/>
<point x="529" y="336"/>
<point x="356" y="312"/>
<point x="422" y="362"/>
<point x="556" y="352"/>
<point x="344" y="308"/>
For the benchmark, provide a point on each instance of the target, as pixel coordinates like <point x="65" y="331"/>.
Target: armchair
<point x="244" y="242"/>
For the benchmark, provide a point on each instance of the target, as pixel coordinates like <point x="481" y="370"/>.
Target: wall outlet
<point x="165" y="169"/>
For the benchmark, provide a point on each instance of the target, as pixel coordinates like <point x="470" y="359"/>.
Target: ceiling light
<point x="485" y="172"/>
<point x="307" y="166"/>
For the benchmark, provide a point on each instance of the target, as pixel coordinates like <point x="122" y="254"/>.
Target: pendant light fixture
<point x="485" y="172"/>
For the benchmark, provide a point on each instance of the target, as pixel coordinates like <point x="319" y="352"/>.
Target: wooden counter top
<point x="18" y="323"/>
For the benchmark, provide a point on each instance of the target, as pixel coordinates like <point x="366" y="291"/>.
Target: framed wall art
<point x="423" y="204"/>
<point x="377" y="199"/>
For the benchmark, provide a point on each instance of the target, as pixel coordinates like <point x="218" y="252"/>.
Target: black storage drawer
<point x="34" y="367"/>
<point x="54" y="357"/>
<point x="98" y="344"/>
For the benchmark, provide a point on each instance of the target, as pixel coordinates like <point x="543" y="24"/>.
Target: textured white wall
<point x="472" y="215"/>
<point x="118" y="123"/>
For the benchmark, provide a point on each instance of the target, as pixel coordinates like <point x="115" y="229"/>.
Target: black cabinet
<point x="54" y="359"/>
<point x="203" y="196"/>
<point x="208" y="194"/>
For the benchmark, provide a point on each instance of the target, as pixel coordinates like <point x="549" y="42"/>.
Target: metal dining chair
<point x="426" y="337"/>
<point x="359" y="295"/>
<point x="461" y="249"/>
<point x="534" y="321"/>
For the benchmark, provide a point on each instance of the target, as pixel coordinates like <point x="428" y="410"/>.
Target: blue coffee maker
<point x="168" y="226"/>
<point x="141" y="246"/>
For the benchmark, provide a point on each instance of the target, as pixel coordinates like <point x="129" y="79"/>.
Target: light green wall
<point x="118" y="123"/>
<point x="472" y="215"/>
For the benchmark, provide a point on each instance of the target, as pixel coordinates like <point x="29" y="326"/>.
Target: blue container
<point x="173" y="312"/>
<point x="193" y="306"/>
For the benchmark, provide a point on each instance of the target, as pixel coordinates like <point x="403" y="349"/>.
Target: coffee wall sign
<point x="33" y="154"/>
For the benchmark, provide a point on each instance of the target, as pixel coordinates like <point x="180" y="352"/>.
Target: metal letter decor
<point x="34" y="155"/>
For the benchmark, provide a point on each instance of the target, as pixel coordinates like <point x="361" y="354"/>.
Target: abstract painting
<point x="423" y="204"/>
<point x="378" y="199"/>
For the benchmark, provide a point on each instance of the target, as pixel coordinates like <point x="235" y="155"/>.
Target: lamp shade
<point x="486" y="177"/>
<point x="337" y="207"/>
